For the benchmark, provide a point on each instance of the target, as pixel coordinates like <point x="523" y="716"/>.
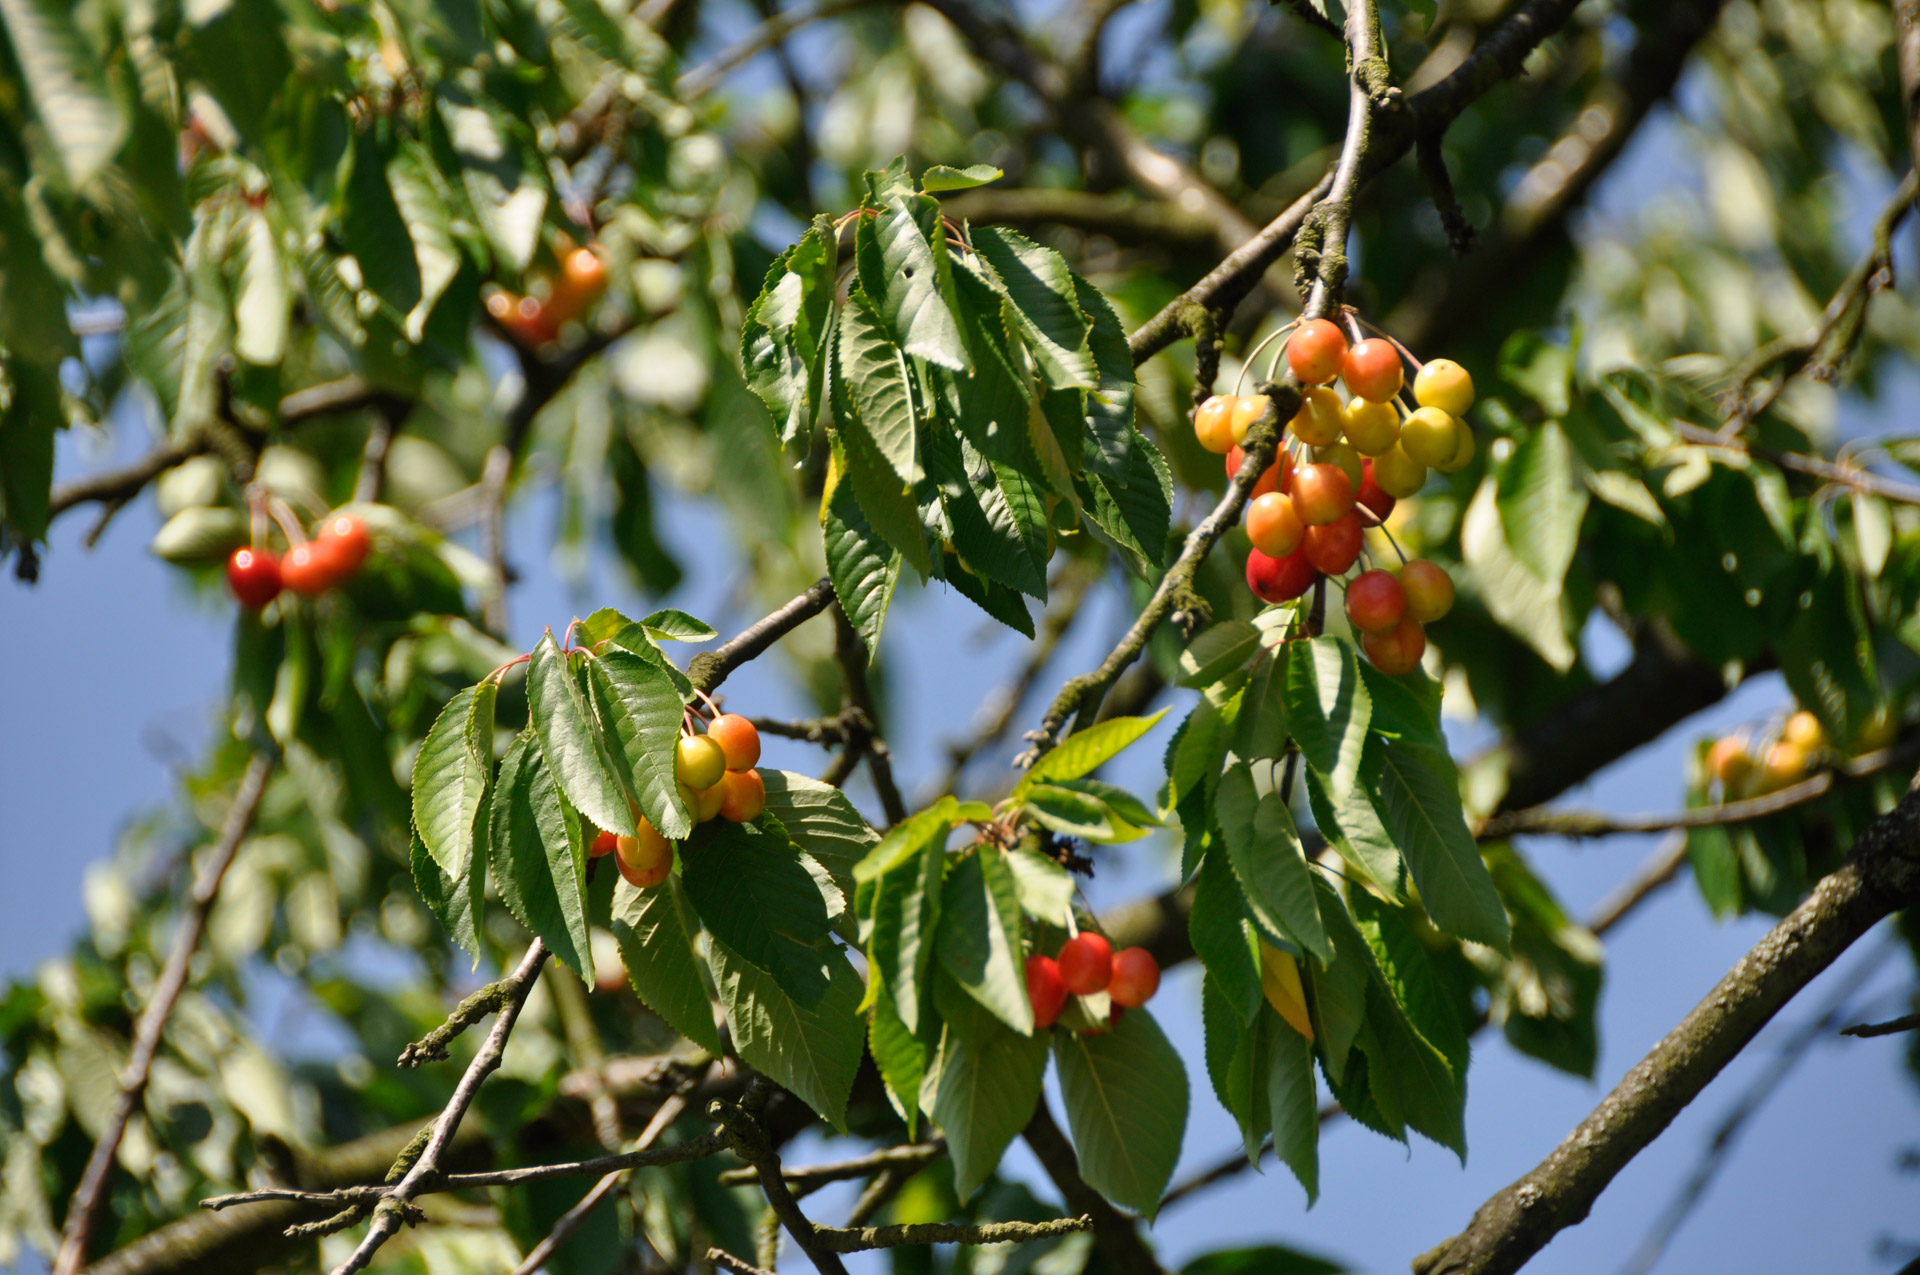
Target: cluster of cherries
<point x="1342" y="463"/>
<point x="717" y="779"/>
<point x="533" y="320"/>
<point x="1086" y="965"/>
<point x="1751" y="764"/>
<point x="311" y="567"/>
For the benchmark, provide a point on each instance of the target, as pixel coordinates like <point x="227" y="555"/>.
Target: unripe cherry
<point x="1730" y="762"/>
<point x="1334" y="547"/>
<point x="704" y="804"/>
<point x="1444" y="384"/>
<point x="1429" y="590"/>
<point x="1375" y="602"/>
<point x="1371" y="427"/>
<point x="1804" y="729"/>
<point x="739" y="740"/>
<point x="1321" y="494"/>
<point x="1272" y="480"/>
<point x="699" y="762"/>
<point x="1279" y="579"/>
<point x="1398" y="474"/>
<point x="1136" y="977"/>
<point x="1213" y="423"/>
<point x="1314" y="351"/>
<point x="1430" y="437"/>
<point x="1462" y="453"/>
<point x="1245" y="412"/>
<point x="1086" y="963"/>
<point x="1786" y="763"/>
<point x="1343" y="458"/>
<point x="254" y="577"/>
<point x="1370" y="495"/>
<point x="1318" y="421"/>
<point x="1372" y="370"/>
<point x="1046" y="991"/>
<point x="1274" y="526"/>
<point x="743" y="795"/>
<point x="1397" y="652"/>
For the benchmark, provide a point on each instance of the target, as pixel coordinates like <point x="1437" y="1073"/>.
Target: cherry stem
<point x="1380" y="524"/>
<point x="707" y="700"/>
<point x="1392" y="340"/>
<point x="498" y="674"/>
<point x="256" y="515"/>
<point x="289" y="523"/>
<point x="1254" y="353"/>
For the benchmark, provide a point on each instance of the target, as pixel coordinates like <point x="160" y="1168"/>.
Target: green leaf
<point x="509" y="199"/>
<point x="1219" y="650"/>
<point x="1540" y="370"/>
<point x="455" y="901"/>
<point x="1328" y="708"/>
<point x="1237" y="1066"/>
<point x="1269" y="862"/>
<point x="1524" y="603"/>
<point x="906" y="917"/>
<point x="1826" y="655"/>
<point x="1542" y="501"/>
<point x="537" y="856"/>
<point x="33" y="326"/>
<point x="1411" y="1080"/>
<point x="1071" y="811"/>
<point x="985" y="1083"/>
<point x="1420" y="803"/>
<point x="570" y="742"/>
<point x="1224" y="937"/>
<point x="63" y="77"/>
<point x="784" y="338"/>
<point x="864" y="568"/>
<point x="939" y="177"/>
<point x="262" y="299"/>
<point x="1045" y="888"/>
<point x="902" y="255"/>
<point x="821" y="822"/>
<point x="880" y="387"/>
<point x="811" y="1050"/>
<point x="900" y="1056"/>
<point x="450" y="776"/>
<point x="1261" y="727"/>
<point x="992" y="539"/>
<point x="375" y="231"/>
<point x="678" y="626"/>
<point x="906" y="839"/>
<point x="979" y="936"/>
<point x="1294" y="1101"/>
<point x="416" y="186"/>
<point x="770" y="904"/>
<point x="1111" y="440"/>
<point x="658" y="953"/>
<point x="1126" y="1097"/>
<point x="1407" y="973"/>
<point x="640" y="709"/>
<point x="27" y="425"/>
<point x="1352" y="824"/>
<point x="1546" y="997"/>
<point x="997" y="600"/>
<point x="1262" y="1259"/>
<point x="1039" y="286"/>
<point x="1339" y="988"/>
<point x="1086" y="751"/>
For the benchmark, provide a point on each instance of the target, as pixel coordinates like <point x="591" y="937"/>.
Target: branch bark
<point x="1881" y="875"/>
<point x="710" y="668"/>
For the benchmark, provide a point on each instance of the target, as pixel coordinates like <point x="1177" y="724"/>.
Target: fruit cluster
<point x="716" y="777"/>
<point x="338" y="548"/>
<point x="534" y="320"/>
<point x="1086" y="966"/>
<point x="1749" y="763"/>
<point x="1341" y="470"/>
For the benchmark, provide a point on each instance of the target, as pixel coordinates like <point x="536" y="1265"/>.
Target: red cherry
<point x="603" y="843"/>
<point x="1372" y="370"/>
<point x="1314" y="351"/>
<point x="1086" y="962"/>
<point x="1370" y="494"/>
<point x="254" y="577"/>
<point x="1045" y="990"/>
<point x="1274" y="526"/>
<point x="1429" y="590"/>
<point x="1375" y="602"/>
<point x="1136" y="977"/>
<point x="1322" y="493"/>
<point x="1279" y="579"/>
<point x="1397" y="652"/>
<point x="348" y="540"/>
<point x="1334" y="547"/>
<point x="1273" y="480"/>
<point x="310" y="569"/>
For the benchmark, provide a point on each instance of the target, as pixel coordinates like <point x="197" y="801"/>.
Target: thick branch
<point x="750" y="1142"/>
<point x="1881" y="875"/>
<point x="710" y="668"/>
<point x="91" y="1195"/>
<point x="859" y="1239"/>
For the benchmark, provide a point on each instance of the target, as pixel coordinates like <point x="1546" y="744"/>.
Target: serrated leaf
<point x="640" y="710"/>
<point x="901" y="1058"/>
<point x="1352" y="824"/>
<point x="375" y="231"/>
<point x="821" y="821"/>
<point x="784" y="338"/>
<point x="811" y="1050"/>
<point x="1340" y="987"/>
<point x="985" y="533"/>
<point x="1293" y="1099"/>
<point x="1040" y="289"/>
<point x="1420" y="804"/>
<point x="1260" y="731"/>
<point x="1237" y="1066"/>
<point x="771" y="905"/>
<point x="63" y="78"/>
<point x="678" y="626"/>
<point x="906" y="918"/>
<point x="1110" y="438"/>
<point x="979" y="937"/>
<point x="880" y="387"/>
<point x="1407" y="974"/>
<point x="1126" y="1097"/>
<point x="940" y="177"/>
<point x="429" y="222"/>
<point x="1045" y="888"/>
<point x="455" y="902"/>
<point x="33" y="325"/>
<point x="1268" y="860"/>
<point x="901" y="251"/>
<point x="570" y="740"/>
<point x="537" y="857"/>
<point x="1086" y="751"/>
<point x="1220" y="649"/>
<point x="450" y="777"/>
<point x="1224" y="938"/>
<point x="1328" y="708"/>
<point x="986" y="1087"/>
<point x="864" y="568"/>
<point x="658" y="953"/>
<point x="1077" y="814"/>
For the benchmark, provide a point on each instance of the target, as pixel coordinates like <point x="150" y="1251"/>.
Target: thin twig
<point x="859" y="1239"/>
<point x="878" y="1194"/>
<point x="710" y="668"/>
<point x="811" y="1177"/>
<point x="91" y="1194"/>
<point x="1910" y="1022"/>
<point x="738" y="1265"/>
<point x="1659" y="870"/>
<point x="742" y="1132"/>
<point x="853" y="656"/>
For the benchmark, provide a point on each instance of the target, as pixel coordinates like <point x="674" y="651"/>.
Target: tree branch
<point x="812" y="1177"/>
<point x="91" y="1195"/>
<point x="859" y="1239"/>
<point x="1881" y="875"/>
<point x="710" y="668"/>
<point x="853" y="656"/>
<point x="1125" y="218"/>
<point x="1910" y="1022"/>
<point x="702" y="79"/>
<point x="749" y="1141"/>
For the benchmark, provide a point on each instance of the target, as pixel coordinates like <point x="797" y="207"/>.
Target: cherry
<point x="1785" y="764"/>
<point x="1430" y="437"/>
<point x="1321" y="494"/>
<point x="645" y="860"/>
<point x="1046" y="991"/>
<point x="254" y="577"/>
<point x="1274" y="526"/>
<point x="1213" y="423"/>
<point x="743" y="795"/>
<point x="603" y="844"/>
<point x="1463" y="453"/>
<point x="1375" y="602"/>
<point x="1370" y="494"/>
<point x="1398" y="474"/>
<point x="702" y="805"/>
<point x="1334" y="547"/>
<point x="1444" y="384"/>
<point x="1136" y="977"/>
<point x="1280" y="579"/>
<point x="583" y="277"/>
<point x="699" y="762"/>
<point x="525" y="318"/>
<point x="1371" y="427"/>
<point x="1086" y="963"/>
<point x="1429" y="590"/>
<point x="310" y="569"/>
<point x="1804" y="730"/>
<point x="1275" y="479"/>
<point x="1730" y="762"/>
<point x="346" y="539"/>
<point x="1318" y="422"/>
<point x="1397" y="652"/>
<point x="1372" y="370"/>
<point x="1342" y="457"/>
<point x="738" y="738"/>
<point x="1245" y="412"/>
<point x="1314" y="351"/>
